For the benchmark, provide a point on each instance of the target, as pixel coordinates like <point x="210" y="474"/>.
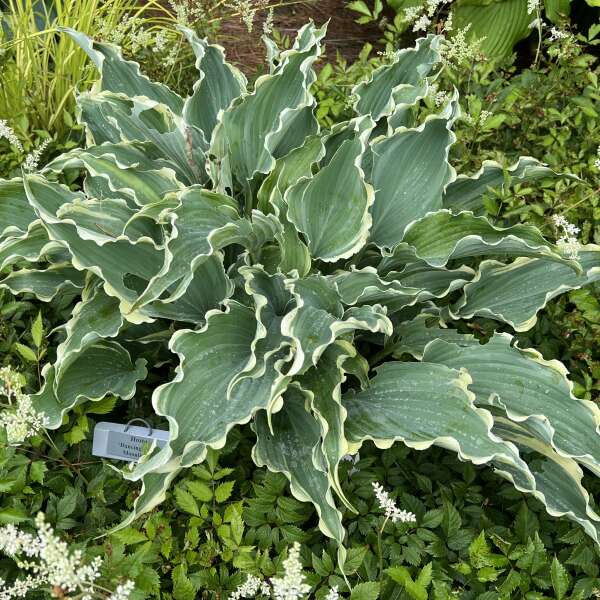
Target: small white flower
<point x="9" y="133"/>
<point x="411" y="13"/>
<point x="291" y="586"/>
<point x="268" y="24"/>
<point x="422" y="23"/>
<point x="558" y="34"/>
<point x="389" y="506"/>
<point x="33" y="158"/>
<point x="440" y="97"/>
<point x="597" y="161"/>
<point x="432" y="6"/>
<point x="567" y="241"/>
<point x="50" y="559"/>
<point x="19" y="419"/>
<point x="532" y="6"/>
<point x="333" y="594"/>
<point x="123" y="591"/>
<point x="457" y="49"/>
<point x="248" y="589"/>
<point x="448" y="25"/>
<point x="537" y="24"/>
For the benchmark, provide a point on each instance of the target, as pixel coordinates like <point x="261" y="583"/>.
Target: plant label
<point x="123" y="441"/>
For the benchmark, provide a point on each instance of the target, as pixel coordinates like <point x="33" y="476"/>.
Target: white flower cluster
<point x="247" y="9"/>
<point x="291" y="586"/>
<point x="389" y="506"/>
<point x="9" y="133"/>
<point x="597" y="161"/>
<point x="123" y="591"/>
<point x="20" y="587"/>
<point x="438" y="96"/>
<point x="131" y="32"/>
<point x="421" y="16"/>
<point x="333" y="594"/>
<point x="566" y="47"/>
<point x="19" y="419"/>
<point x="484" y="115"/>
<point x="188" y="12"/>
<point x="51" y="562"/>
<point x="558" y="34"/>
<point x="457" y="49"/>
<point x="252" y="586"/>
<point x="567" y="241"/>
<point x="33" y="158"/>
<point x="532" y="6"/>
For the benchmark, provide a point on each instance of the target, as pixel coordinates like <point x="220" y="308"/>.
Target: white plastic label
<point x="124" y="441"/>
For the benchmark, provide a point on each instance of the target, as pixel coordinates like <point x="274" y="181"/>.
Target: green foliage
<point x="512" y="19"/>
<point x="302" y="258"/>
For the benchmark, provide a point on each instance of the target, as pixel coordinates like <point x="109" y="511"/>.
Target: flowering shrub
<point x="287" y="264"/>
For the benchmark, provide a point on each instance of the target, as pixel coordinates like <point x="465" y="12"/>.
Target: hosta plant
<point x="310" y="282"/>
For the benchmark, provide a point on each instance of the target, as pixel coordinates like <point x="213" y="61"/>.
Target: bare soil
<point x="344" y="35"/>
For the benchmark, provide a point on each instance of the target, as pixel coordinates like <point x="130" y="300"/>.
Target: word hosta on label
<point x="298" y="269"/>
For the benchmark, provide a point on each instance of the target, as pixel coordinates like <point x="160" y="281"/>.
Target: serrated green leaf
<point x="186" y="502"/>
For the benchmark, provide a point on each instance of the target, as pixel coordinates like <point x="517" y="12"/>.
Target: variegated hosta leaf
<point x="16" y="215"/>
<point x="293" y="447"/>
<point x="442" y="236"/>
<point x="95" y="318"/>
<point x="45" y="284"/>
<point x="530" y="389"/>
<point x="410" y="172"/>
<point x="126" y="169"/>
<point x="323" y="386"/>
<point x="123" y="76"/>
<point x="466" y="192"/>
<point x="218" y="85"/>
<point x="558" y="479"/>
<point x="416" y="282"/>
<point x="31" y="246"/>
<point x="390" y="86"/>
<point x="114" y="260"/>
<point x="200" y="403"/>
<point x="293" y="252"/>
<point x="102" y="368"/>
<point x="318" y="319"/>
<point x="117" y="118"/>
<point x="276" y="117"/>
<point x="422" y="404"/>
<point x="203" y="223"/>
<point x="515" y="293"/>
<point x="207" y="289"/>
<point x="424" y="328"/>
<point x="315" y="204"/>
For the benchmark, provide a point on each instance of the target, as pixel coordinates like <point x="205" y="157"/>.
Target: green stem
<point x="539" y="45"/>
<point x="379" y="552"/>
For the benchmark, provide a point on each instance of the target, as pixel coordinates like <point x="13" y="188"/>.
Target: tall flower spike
<point x="389" y="507"/>
<point x="291" y="586"/>
<point x="9" y="133"/>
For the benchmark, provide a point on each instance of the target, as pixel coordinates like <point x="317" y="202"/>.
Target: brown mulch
<point x="344" y="35"/>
